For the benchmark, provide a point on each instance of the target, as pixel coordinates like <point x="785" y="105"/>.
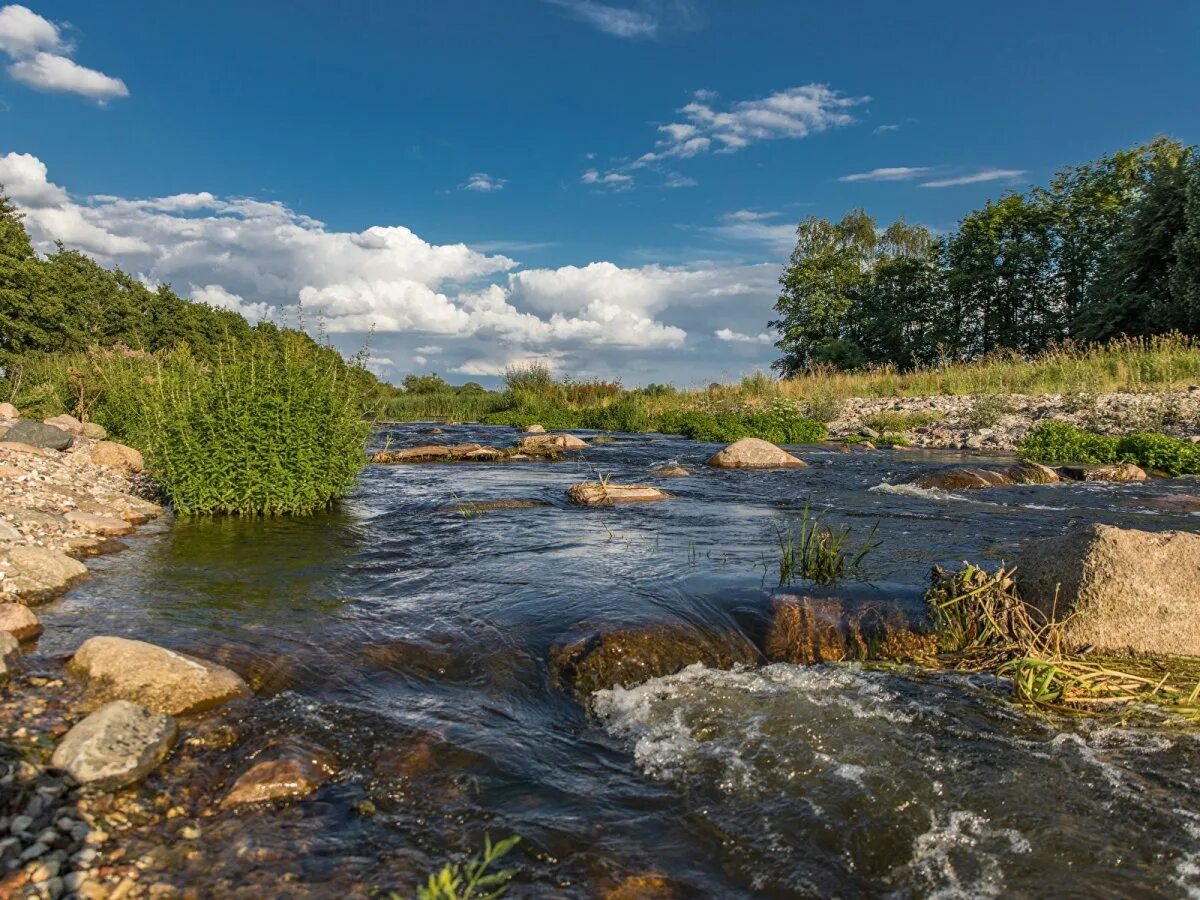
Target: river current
<point x="411" y="642"/>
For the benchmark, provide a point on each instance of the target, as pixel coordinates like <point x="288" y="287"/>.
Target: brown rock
<point x="155" y="677"/>
<point x="670" y="472"/>
<point x="478" y="506"/>
<point x="806" y="630"/>
<point x="29" y="449"/>
<point x="102" y="525"/>
<point x="8" y="411"/>
<point x="550" y="443"/>
<point x="534" y="429"/>
<point x="67" y="423"/>
<point x="1119" y="472"/>
<point x="19" y="621"/>
<point x="110" y="453"/>
<point x="647" y="886"/>
<point x="599" y="493"/>
<point x="751" y="453"/>
<point x="1118" y="589"/>
<point x="967" y="479"/>
<point x="89" y="545"/>
<point x="630" y="656"/>
<point x="292" y="777"/>
<point x="34" y="575"/>
<point x="94" y="431"/>
<point x="437" y="453"/>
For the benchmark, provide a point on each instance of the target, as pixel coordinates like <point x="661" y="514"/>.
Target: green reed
<point x="814" y="551"/>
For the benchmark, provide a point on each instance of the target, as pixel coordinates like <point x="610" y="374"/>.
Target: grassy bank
<point x="792" y="410"/>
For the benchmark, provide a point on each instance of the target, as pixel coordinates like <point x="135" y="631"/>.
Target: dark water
<point x="411" y="643"/>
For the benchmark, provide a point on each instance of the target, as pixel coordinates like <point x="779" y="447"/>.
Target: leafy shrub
<point x="823" y="407"/>
<point x="554" y="418"/>
<point x="988" y="410"/>
<point x="1058" y="442"/>
<point x="626" y="414"/>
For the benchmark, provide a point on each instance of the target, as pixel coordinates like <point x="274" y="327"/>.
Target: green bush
<point x="1058" y="442"/>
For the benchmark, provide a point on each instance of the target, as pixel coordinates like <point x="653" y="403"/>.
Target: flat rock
<point x="969" y="479"/>
<point x="117" y="745"/>
<point x="38" y="434"/>
<point x="1118" y="472"/>
<point x="163" y="680"/>
<point x="108" y="526"/>
<point x="439" y="453"/>
<point x="599" y="493"/>
<point x="10" y="653"/>
<point x="293" y="777"/>
<point x="550" y="443"/>
<point x="110" y="453"/>
<point x="36" y="575"/>
<point x="752" y="453"/>
<point x="1118" y="589"/>
<point x="807" y="630"/>
<point x="630" y="656"/>
<point x="18" y="620"/>
<point x="478" y="506"/>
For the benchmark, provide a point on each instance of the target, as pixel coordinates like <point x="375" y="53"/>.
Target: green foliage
<point x="1058" y="442"/>
<point x="472" y="880"/>
<point x="432" y="383"/>
<point x="1109" y="249"/>
<point x="988" y="410"/>
<point x="815" y="551"/>
<point x="779" y="424"/>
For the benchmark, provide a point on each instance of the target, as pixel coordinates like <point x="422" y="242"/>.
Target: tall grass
<point x="272" y="424"/>
<point x="814" y="551"/>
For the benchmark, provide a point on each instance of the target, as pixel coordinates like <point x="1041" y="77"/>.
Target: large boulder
<point x="751" y="453"/>
<point x="8" y="411"/>
<point x="110" y="453"/>
<point x="1118" y="589"/>
<point x="630" y="656"/>
<point x="160" y="679"/>
<point x="604" y="493"/>
<point x="18" y="620"/>
<point x="541" y="444"/>
<point x="806" y="630"/>
<point x="967" y="479"/>
<point x="67" y="423"/>
<point x="34" y="575"/>
<point x="38" y="434"/>
<point x="10" y="653"/>
<point x="117" y="745"/>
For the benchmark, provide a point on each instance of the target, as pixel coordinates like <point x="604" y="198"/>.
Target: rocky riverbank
<point x="1001" y="421"/>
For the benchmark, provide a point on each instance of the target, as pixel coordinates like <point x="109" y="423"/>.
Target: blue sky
<point x="610" y="187"/>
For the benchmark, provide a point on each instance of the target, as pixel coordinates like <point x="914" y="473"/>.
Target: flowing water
<point x="411" y="643"/>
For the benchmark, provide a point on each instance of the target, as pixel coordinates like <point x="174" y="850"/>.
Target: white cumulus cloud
<point x="42" y="60"/>
<point x="726" y="334"/>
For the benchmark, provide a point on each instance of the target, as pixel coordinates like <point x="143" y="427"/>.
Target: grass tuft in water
<point x="473" y="879"/>
<point x="814" y="551"/>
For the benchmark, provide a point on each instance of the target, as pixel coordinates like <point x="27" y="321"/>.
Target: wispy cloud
<point x="615" y="181"/>
<point x="483" y="183"/>
<point x="976" y="178"/>
<point x="793" y="113"/>
<point x="892" y="173"/>
<point x="675" y="180"/>
<point x="614" y="20"/>
<point x="41" y="58"/>
<point x="759" y="227"/>
<point x="726" y="334"/>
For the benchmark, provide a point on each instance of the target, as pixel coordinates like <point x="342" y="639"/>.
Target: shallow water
<point x="411" y="643"/>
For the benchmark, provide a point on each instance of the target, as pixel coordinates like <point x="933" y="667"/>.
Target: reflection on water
<point x="411" y="643"/>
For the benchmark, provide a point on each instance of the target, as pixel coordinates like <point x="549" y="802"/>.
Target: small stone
<point x="18" y="620"/>
<point x="190" y="832"/>
<point x="117" y="745"/>
<point x="277" y="779"/>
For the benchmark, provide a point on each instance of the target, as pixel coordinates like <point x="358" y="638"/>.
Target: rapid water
<point x="411" y="643"/>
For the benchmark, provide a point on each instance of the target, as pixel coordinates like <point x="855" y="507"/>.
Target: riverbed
<point x="410" y="643"/>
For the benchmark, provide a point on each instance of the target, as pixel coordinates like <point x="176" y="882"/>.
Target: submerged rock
<point x="1118" y="472"/>
<point x="629" y="656"/>
<point x="468" y="507"/>
<point x="34" y="575"/>
<point x="38" y="434"/>
<point x="968" y="479"/>
<point x="439" y="453"/>
<point x="1118" y="589"/>
<point x="646" y="886"/>
<point x="751" y="453"/>
<point x="293" y="776"/>
<point x="806" y="630"/>
<point x="161" y="679"/>
<point x="117" y="745"/>
<point x="601" y="493"/>
<point x="19" y="621"/>
<point x="670" y="471"/>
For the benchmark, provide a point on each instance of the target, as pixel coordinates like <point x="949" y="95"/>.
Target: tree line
<point x="1108" y="249"/>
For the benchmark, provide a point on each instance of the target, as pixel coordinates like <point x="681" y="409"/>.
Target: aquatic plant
<point x="1058" y="442"/>
<point x="814" y="551"/>
<point x="471" y="880"/>
<point x="983" y="625"/>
